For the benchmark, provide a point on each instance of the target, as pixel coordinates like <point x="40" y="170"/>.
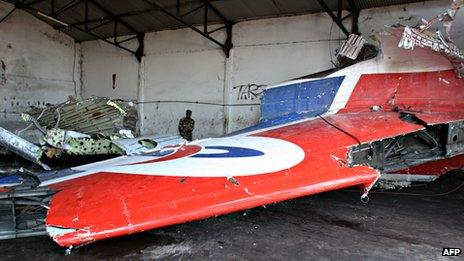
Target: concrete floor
<point x="330" y="226"/>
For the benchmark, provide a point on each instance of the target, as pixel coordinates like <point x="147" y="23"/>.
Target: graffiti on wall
<point x="249" y="92"/>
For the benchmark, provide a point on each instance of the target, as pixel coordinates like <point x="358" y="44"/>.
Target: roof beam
<point x="127" y="14"/>
<point x="355" y="11"/>
<point x="116" y="18"/>
<point x="7" y="15"/>
<point x="102" y="19"/>
<point x="33" y="2"/>
<point x="69" y="6"/>
<point x="138" y="35"/>
<point x="191" y="11"/>
<point x="334" y="17"/>
<point x="208" y="4"/>
<point x="340" y="9"/>
<point x="226" y="46"/>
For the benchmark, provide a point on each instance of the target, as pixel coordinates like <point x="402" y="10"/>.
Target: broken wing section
<point x="109" y="204"/>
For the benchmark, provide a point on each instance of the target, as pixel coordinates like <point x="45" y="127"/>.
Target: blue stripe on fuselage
<point x="293" y="102"/>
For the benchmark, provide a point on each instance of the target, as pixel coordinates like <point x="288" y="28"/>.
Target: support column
<point x="228" y="81"/>
<point x="141" y="95"/>
<point x="77" y="70"/>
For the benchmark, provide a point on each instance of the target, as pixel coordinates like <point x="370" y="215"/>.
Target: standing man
<point x="186" y="126"/>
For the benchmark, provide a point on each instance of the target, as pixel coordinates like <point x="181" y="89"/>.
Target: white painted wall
<point x="181" y="70"/>
<point x="101" y="61"/>
<point x="38" y="65"/>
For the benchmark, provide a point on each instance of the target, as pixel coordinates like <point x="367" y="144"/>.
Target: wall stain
<point x="20" y="67"/>
<point x="56" y="37"/>
<point x="2" y="72"/>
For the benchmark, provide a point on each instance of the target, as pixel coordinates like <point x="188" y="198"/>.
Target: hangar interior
<point x="273" y="41"/>
<point x="152" y="60"/>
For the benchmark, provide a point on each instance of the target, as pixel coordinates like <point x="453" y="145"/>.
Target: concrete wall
<point x="38" y="65"/>
<point x="181" y="70"/>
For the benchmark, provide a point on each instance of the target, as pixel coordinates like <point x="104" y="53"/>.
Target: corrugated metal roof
<point x="143" y="17"/>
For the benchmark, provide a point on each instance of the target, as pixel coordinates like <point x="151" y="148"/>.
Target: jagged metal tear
<point x="422" y="37"/>
<point x="413" y="37"/>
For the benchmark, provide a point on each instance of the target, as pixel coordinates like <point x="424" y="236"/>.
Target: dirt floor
<point x="411" y="224"/>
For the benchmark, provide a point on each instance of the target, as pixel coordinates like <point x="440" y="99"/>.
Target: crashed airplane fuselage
<point x="400" y="115"/>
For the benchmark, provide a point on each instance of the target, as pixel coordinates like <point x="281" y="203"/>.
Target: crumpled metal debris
<point x="95" y="126"/>
<point x="446" y="18"/>
<point x="59" y="141"/>
<point x="83" y="127"/>
<point x="21" y="147"/>
<point x="96" y="115"/>
<point x="422" y="37"/>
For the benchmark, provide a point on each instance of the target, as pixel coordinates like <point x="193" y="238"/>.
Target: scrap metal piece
<point x="143" y="144"/>
<point x="75" y="143"/>
<point x="58" y="141"/>
<point x="352" y="46"/>
<point x="33" y="121"/>
<point x="414" y="37"/>
<point x="21" y="147"/>
<point x="424" y="38"/>
<point x="446" y="18"/>
<point x="96" y="115"/>
<point x="455" y="138"/>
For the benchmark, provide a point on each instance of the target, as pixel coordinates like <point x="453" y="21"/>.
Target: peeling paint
<point x="58" y="231"/>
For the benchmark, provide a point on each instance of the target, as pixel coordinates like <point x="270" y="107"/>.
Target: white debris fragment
<point x="376" y="108"/>
<point x="352" y="46"/>
<point x="113" y="104"/>
<point x="444" y="80"/>
<point x="58" y="231"/>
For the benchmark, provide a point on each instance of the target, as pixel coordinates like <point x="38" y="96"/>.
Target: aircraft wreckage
<point x="90" y="127"/>
<point x="398" y="117"/>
